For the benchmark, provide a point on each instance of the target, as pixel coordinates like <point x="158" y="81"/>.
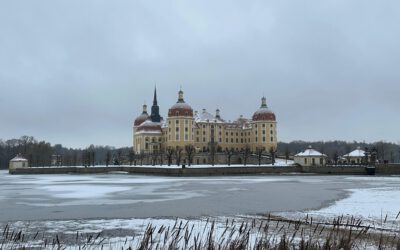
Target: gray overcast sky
<point x="77" y="72"/>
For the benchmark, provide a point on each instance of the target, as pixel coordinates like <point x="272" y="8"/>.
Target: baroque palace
<point x="183" y="127"/>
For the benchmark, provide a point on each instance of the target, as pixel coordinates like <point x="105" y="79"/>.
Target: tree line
<point x="42" y="153"/>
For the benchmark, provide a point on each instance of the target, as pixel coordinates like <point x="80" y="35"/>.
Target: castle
<point x="204" y="131"/>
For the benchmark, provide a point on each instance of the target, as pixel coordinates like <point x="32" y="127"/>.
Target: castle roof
<point x="181" y="108"/>
<point x="264" y="113"/>
<point x="150" y="127"/>
<point x="206" y="117"/>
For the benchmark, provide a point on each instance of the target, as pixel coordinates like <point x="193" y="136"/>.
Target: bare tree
<point x="170" y="153"/>
<point x="336" y="157"/>
<point x="229" y="153"/>
<point x="178" y="155"/>
<point x="160" y="157"/>
<point x="131" y="157"/>
<point x="287" y="154"/>
<point x="246" y="154"/>
<point x="154" y="157"/>
<point x="212" y="150"/>
<point x="259" y="152"/>
<point x="272" y="153"/>
<point x="108" y="158"/>
<point x="190" y="151"/>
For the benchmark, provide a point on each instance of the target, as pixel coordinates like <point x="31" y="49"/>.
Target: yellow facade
<point x="203" y="130"/>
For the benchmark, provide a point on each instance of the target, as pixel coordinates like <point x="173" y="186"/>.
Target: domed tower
<point x="180" y="124"/>
<point x="264" y="134"/>
<point x="138" y="121"/>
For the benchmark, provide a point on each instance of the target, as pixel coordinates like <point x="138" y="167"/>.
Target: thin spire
<point x="155" y="96"/>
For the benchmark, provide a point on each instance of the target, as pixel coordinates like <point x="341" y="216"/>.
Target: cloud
<point x="78" y="72"/>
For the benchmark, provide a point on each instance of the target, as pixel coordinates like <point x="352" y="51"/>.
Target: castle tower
<point x="180" y="124"/>
<point x="264" y="128"/>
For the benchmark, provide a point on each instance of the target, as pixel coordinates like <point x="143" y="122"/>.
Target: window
<point x="263" y="125"/>
<point x="321" y="161"/>
<point x="264" y="139"/>
<point x="220" y="139"/>
<point x="204" y="132"/>
<point x="177" y="122"/>
<point x="204" y="126"/>
<point x="272" y="139"/>
<point x="204" y="139"/>
<point x="256" y="139"/>
<point x="186" y="137"/>
<point x="231" y="140"/>
<point x="237" y="140"/>
<point x="186" y="129"/>
<point x="231" y="133"/>
<point x="197" y="139"/>
<point x="186" y="122"/>
<point x="272" y="126"/>
<point x="313" y="161"/>
<point x="264" y="132"/>
<point x="226" y="133"/>
<point x="241" y="140"/>
<point x="226" y="140"/>
<point x="305" y="161"/>
<point x="177" y="129"/>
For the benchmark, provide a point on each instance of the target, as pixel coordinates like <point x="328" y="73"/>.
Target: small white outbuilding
<point x="310" y="157"/>
<point x="18" y="162"/>
<point x="354" y="157"/>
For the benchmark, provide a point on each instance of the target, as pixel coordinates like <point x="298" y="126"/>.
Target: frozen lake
<point x="119" y="196"/>
<point x="121" y="205"/>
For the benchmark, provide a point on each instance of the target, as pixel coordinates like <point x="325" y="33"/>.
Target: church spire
<point x="155" y="97"/>
<point x="155" y="109"/>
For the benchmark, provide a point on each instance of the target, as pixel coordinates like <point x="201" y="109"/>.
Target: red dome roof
<point x="140" y="119"/>
<point x="264" y="113"/>
<point x="180" y="108"/>
<point x="150" y="127"/>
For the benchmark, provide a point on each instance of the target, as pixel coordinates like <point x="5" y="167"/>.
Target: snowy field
<point x="121" y="205"/>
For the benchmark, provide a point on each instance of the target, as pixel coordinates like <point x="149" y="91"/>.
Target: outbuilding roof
<point x="18" y="158"/>
<point x="356" y="153"/>
<point x="311" y="152"/>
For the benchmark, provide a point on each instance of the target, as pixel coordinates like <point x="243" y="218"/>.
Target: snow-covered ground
<point x="278" y="162"/>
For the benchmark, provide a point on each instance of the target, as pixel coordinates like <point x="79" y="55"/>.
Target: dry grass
<point x="266" y="233"/>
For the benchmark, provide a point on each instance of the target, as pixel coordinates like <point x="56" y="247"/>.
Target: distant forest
<point x="39" y="153"/>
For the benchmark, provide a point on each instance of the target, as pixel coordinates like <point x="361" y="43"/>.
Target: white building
<point x="18" y="162"/>
<point x="355" y="157"/>
<point x="310" y="157"/>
